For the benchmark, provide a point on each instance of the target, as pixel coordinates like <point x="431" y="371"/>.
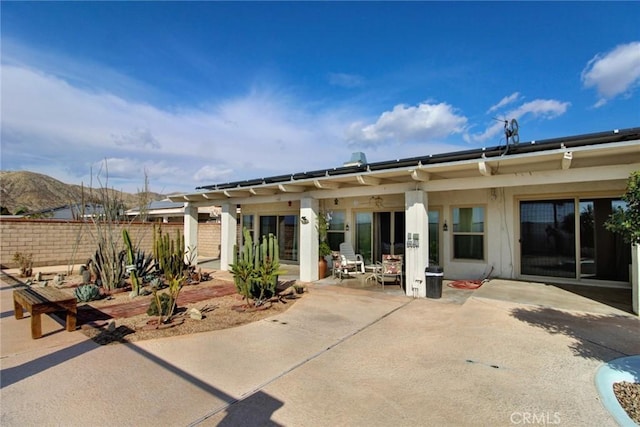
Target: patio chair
<point x="349" y="260"/>
<point x="389" y="269"/>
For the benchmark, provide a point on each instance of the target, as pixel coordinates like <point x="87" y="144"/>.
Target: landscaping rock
<point x="195" y="314"/>
<point x="86" y="276"/>
<point x="58" y="280"/>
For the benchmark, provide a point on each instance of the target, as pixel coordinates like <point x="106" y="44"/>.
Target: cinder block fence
<point x="54" y="242"/>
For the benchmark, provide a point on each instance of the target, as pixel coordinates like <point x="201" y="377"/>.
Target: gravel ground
<point x="628" y="395"/>
<point x="218" y="313"/>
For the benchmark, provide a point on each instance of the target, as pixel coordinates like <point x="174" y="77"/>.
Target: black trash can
<point x="433" y="275"/>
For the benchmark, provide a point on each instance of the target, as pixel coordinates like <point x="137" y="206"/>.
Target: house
<point x="167" y="211"/>
<point x="75" y="211"/>
<point x="533" y="211"/>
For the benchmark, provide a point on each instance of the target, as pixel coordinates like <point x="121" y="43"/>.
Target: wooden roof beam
<point x="367" y="180"/>
<point x="262" y="191"/>
<point x="485" y="169"/>
<point x="567" y="157"/>
<point x="420" y="175"/>
<point x="236" y="193"/>
<point x="288" y="188"/>
<point x="326" y="185"/>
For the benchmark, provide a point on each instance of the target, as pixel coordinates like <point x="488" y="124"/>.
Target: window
<point x="468" y="233"/>
<point x="247" y="222"/>
<point x="335" y="233"/>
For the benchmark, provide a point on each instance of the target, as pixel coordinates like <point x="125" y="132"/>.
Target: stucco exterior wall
<point x="64" y="242"/>
<point x="502" y="222"/>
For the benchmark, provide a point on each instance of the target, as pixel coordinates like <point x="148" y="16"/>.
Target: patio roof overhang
<point x="483" y="168"/>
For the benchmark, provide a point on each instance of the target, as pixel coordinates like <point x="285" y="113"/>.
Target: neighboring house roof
<point x="159" y="204"/>
<point x="585" y="149"/>
<point x="70" y="211"/>
<point x="167" y="207"/>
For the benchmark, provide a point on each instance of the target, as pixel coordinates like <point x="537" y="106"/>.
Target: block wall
<point x="63" y="242"/>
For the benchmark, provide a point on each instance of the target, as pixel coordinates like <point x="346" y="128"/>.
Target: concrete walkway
<point x="339" y="356"/>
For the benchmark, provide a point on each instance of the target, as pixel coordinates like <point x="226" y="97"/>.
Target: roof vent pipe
<point x="357" y="159"/>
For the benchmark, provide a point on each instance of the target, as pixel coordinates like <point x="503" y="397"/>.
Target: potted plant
<point x="25" y="262"/>
<point x="323" y="246"/>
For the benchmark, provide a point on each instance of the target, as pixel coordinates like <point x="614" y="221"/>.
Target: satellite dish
<point x="511" y="131"/>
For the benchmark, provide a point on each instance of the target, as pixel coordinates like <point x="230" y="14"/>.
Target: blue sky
<point x="201" y="93"/>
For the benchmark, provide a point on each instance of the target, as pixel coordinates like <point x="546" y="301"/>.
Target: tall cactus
<point x="131" y="267"/>
<point x="169" y="254"/>
<point x="256" y="267"/>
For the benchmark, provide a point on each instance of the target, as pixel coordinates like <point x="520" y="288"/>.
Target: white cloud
<point x="539" y="108"/>
<point x="49" y="124"/>
<point x="211" y="174"/>
<point x="505" y="101"/>
<point x="137" y="137"/>
<point x="423" y="122"/>
<point x="345" y="80"/>
<point x="614" y="73"/>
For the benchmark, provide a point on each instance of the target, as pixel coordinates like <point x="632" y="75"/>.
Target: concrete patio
<point x="342" y="355"/>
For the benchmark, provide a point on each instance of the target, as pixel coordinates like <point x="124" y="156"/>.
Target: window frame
<point x="337" y="231"/>
<point x="483" y="233"/>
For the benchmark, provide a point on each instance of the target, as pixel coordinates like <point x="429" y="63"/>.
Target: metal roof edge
<point x="616" y="135"/>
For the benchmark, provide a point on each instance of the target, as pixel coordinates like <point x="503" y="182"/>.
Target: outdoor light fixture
<point x="304" y="220"/>
<point x="346" y="227"/>
<point x="445" y="227"/>
<point x="335" y="201"/>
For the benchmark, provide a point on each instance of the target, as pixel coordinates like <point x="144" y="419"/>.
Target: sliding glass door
<point x="567" y="238"/>
<point x="364" y="235"/>
<point x="285" y="228"/>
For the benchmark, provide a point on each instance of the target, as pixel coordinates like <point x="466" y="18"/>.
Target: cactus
<point x="131" y="267"/>
<point x="242" y="267"/>
<point x="256" y="268"/>
<point x="170" y="259"/>
<point x="170" y="254"/>
<point x="87" y="293"/>
<point x="109" y="266"/>
<point x="161" y="300"/>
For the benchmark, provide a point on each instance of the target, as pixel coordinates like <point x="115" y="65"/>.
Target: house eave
<point x="613" y="147"/>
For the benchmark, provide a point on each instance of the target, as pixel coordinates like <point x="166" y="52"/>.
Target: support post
<point x="228" y="235"/>
<point x="309" y="209"/>
<point x="416" y="254"/>
<point x="191" y="232"/>
<point x="635" y="278"/>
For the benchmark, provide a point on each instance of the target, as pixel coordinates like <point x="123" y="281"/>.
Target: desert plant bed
<point x="118" y="318"/>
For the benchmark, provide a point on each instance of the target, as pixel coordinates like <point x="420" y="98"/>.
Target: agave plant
<point x="86" y="293"/>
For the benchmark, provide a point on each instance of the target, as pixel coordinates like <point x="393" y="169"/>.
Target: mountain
<point x="34" y="192"/>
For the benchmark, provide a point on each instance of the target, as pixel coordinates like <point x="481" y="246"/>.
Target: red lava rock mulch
<point x="88" y="314"/>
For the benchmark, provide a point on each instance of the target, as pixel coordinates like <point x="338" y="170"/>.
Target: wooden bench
<point x="39" y="301"/>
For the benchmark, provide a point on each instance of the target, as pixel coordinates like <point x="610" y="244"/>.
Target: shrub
<point x="626" y="222"/>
